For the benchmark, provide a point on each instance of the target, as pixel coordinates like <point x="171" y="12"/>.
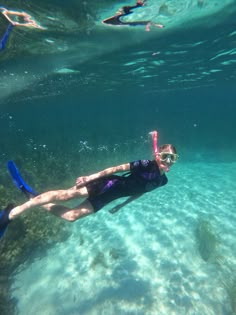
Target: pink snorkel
<point x="154" y="135"/>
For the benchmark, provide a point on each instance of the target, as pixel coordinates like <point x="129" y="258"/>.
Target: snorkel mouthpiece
<point x="154" y="135"/>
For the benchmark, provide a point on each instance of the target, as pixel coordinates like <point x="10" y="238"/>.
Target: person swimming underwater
<point x="99" y="189"/>
<point x="116" y="20"/>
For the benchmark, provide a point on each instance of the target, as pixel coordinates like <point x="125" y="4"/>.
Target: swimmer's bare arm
<point x="81" y="181"/>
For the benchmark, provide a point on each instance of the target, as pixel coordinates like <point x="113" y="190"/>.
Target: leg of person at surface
<point x="12" y="16"/>
<point x="149" y="24"/>
<point x="28" y="21"/>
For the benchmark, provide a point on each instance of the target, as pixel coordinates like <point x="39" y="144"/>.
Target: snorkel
<point x="154" y="135"/>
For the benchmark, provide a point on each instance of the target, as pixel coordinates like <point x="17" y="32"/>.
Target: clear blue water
<point x="80" y="96"/>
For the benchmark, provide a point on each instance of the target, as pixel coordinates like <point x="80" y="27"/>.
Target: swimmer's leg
<point x="76" y="213"/>
<point x="44" y="199"/>
<point x="49" y="197"/>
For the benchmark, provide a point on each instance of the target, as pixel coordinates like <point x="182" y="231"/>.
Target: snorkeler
<point x="99" y="189"/>
<point x="126" y="10"/>
<point x="14" y="18"/>
<point x="17" y="16"/>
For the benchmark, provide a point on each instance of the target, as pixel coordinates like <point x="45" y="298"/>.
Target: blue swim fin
<point x="4" y="219"/>
<point x="4" y="39"/>
<point x="18" y="180"/>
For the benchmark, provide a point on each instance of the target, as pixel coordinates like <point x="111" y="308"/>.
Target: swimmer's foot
<point x="4" y="219"/>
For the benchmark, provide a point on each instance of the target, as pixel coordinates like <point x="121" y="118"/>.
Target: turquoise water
<point x="143" y="259"/>
<point x="80" y="96"/>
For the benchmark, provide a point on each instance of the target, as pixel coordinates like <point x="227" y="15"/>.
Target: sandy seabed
<point x="143" y="259"/>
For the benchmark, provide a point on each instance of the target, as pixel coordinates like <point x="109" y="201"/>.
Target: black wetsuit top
<point x="144" y="176"/>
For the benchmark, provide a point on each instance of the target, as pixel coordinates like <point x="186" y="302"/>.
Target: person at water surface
<point x="16" y="18"/>
<point x="99" y="189"/>
<point x="117" y="20"/>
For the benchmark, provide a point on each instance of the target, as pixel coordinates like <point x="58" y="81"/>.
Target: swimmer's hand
<point x="82" y="181"/>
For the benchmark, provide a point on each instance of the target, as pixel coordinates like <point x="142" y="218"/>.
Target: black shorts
<point x="104" y="190"/>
